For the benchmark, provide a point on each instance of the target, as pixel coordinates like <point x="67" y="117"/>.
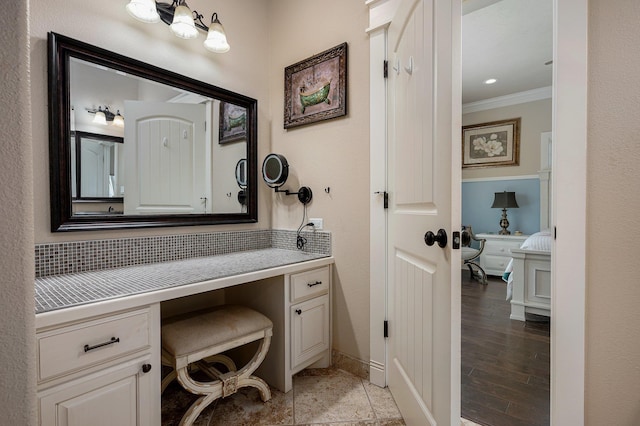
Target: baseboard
<point x="350" y="364"/>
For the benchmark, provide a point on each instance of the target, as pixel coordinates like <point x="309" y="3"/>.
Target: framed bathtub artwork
<point x="492" y="144"/>
<point x="233" y="123"/>
<point x="315" y="89"/>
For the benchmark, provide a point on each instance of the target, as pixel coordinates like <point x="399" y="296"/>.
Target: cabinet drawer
<point x="496" y="263"/>
<point x="310" y="283"/>
<point x="85" y="344"/>
<point x="502" y="248"/>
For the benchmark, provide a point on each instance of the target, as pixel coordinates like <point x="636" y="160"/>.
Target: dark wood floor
<point x="505" y="363"/>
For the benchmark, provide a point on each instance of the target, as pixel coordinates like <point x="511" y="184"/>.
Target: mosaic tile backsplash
<point x="94" y="255"/>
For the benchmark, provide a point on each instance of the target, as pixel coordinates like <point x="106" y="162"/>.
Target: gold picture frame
<point x="492" y="144"/>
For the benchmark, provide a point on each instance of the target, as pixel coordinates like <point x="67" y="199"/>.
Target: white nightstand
<point x="497" y="251"/>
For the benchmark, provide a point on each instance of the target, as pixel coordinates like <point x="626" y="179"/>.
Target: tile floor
<point x="329" y="397"/>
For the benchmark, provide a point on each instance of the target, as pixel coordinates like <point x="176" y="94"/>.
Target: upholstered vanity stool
<point x="197" y="340"/>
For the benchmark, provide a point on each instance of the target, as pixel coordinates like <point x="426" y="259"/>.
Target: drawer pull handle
<point x="314" y="284"/>
<point x="146" y="368"/>
<point x="113" y="340"/>
<point x="299" y="311"/>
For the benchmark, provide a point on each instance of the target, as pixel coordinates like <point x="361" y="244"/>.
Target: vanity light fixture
<point x="104" y="116"/>
<point x="183" y="22"/>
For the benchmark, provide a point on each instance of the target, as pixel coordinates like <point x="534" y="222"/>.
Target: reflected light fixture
<point x="100" y="117"/>
<point x="183" y="22"/>
<point x="104" y="116"/>
<point x="118" y="120"/>
<point x="504" y="200"/>
<point x="490" y="81"/>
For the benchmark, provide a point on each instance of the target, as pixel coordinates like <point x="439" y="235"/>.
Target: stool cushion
<point x="195" y="331"/>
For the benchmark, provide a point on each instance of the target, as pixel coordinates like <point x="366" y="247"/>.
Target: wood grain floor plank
<point x="505" y="363"/>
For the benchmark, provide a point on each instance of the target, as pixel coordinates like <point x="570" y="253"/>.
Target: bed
<point x="528" y="277"/>
<point x="528" y="274"/>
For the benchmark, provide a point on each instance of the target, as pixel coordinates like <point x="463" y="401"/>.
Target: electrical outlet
<point x="317" y="223"/>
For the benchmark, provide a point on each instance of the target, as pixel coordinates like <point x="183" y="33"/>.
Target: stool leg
<point x="227" y="384"/>
<point x="211" y="392"/>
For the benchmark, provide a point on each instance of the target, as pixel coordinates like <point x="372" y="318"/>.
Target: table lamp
<point x="504" y="200"/>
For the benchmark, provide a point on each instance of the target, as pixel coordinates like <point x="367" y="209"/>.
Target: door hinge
<point x="385" y="198"/>
<point x="385" y="69"/>
<point x="386" y="328"/>
<point x="555" y="233"/>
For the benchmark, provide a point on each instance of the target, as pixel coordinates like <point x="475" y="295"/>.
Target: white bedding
<point x="540" y="241"/>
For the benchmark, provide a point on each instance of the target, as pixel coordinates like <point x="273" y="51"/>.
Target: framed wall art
<point x="233" y="123"/>
<point x="315" y="89"/>
<point x="491" y="144"/>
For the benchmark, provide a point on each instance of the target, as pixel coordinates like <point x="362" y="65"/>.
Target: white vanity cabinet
<point x="309" y="316"/>
<point x="497" y="251"/>
<point x="299" y="305"/>
<point x="101" y="370"/>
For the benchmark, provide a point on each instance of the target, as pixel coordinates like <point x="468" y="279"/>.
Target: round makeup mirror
<point x="241" y="173"/>
<point x="275" y="170"/>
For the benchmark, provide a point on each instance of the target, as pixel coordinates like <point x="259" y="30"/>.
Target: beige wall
<point x="17" y="350"/>
<point x="536" y="118"/>
<point x="332" y="154"/>
<point x="108" y="25"/>
<point x="613" y="218"/>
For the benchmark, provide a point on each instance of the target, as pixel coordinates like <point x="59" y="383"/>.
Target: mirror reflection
<point x="179" y="147"/>
<point x="133" y="145"/>
<point x="96" y="167"/>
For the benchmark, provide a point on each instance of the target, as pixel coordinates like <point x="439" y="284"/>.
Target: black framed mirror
<point x="181" y="142"/>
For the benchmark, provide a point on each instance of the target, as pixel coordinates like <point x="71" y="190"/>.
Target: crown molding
<point x="507" y="100"/>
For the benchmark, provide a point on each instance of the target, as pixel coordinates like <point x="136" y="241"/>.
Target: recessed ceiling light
<point x="490" y="81"/>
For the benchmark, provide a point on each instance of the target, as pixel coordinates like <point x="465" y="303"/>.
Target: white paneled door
<point x="423" y="162"/>
<point x="165" y="155"/>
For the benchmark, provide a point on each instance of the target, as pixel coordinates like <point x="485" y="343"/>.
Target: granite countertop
<point x="64" y="291"/>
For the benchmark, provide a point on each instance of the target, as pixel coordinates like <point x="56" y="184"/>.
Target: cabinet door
<point x="106" y="398"/>
<point x="310" y="329"/>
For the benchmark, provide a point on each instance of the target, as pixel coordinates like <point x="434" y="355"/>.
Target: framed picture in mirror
<point x="233" y="123"/>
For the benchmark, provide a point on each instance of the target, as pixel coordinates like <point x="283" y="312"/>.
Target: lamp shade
<point x="505" y="200"/>
<point x="216" y="38"/>
<point x="144" y="10"/>
<point x="118" y="120"/>
<point x="100" y="117"/>
<point x="183" y="25"/>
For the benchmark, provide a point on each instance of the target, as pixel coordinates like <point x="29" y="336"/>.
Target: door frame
<point x="569" y="202"/>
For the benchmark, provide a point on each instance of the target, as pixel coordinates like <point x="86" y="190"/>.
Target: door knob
<point x="440" y="237"/>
